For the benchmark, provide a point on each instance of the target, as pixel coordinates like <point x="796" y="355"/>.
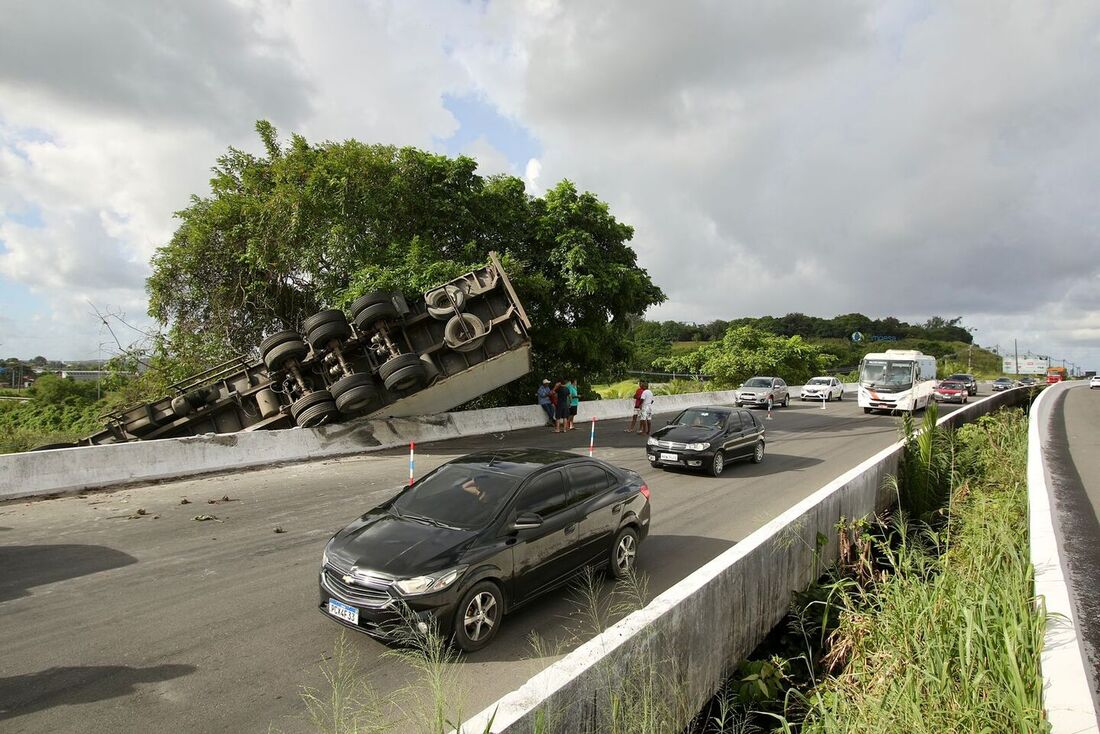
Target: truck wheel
<point x="279" y="337"/>
<point x="313" y="409"/>
<point x="403" y="372"/>
<point x="327" y="332"/>
<point x="439" y="302"/>
<point x="328" y="316"/>
<point x="457" y="334"/>
<point x="376" y="306"/>
<point x="279" y="355"/>
<point x="355" y="392"/>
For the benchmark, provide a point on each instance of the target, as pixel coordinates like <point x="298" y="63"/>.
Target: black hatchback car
<point x="479" y="536"/>
<point x="706" y="437"/>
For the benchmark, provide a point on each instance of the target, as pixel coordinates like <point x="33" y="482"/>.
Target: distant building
<point x="84" y="375"/>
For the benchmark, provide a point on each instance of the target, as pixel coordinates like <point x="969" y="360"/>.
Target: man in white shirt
<point x="646" y="414"/>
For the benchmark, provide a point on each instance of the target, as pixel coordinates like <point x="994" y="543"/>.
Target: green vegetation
<point x="745" y="351"/>
<point x="310" y="225"/>
<point x="626" y="388"/>
<point x="59" y="411"/>
<point x="928" y="623"/>
<point x="653" y="341"/>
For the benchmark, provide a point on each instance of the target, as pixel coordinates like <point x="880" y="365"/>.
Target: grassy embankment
<point x="928" y="624"/>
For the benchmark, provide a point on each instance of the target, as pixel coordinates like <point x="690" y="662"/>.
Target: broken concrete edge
<point x="719" y="613"/>
<point x="1067" y="695"/>
<point x="61" y="471"/>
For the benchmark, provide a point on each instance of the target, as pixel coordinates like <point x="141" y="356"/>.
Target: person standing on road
<point x="646" y="413"/>
<point x="574" y="401"/>
<point x="637" y="407"/>
<point x="561" y="407"/>
<point x="544" y="401"/>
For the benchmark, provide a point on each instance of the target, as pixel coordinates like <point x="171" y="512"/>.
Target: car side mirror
<point x="527" y="521"/>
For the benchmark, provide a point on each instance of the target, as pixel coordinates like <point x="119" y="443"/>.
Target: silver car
<point x="823" y="388"/>
<point x="762" y="391"/>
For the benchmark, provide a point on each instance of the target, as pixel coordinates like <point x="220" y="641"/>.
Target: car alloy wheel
<point x="624" y="552"/>
<point x="478" y="616"/>
<point x="717" y="464"/>
<point x="758" y="452"/>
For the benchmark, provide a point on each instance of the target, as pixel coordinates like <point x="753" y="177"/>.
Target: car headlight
<point x="698" y="446"/>
<point x="651" y="442"/>
<point x="432" y="582"/>
<point x="324" y="557"/>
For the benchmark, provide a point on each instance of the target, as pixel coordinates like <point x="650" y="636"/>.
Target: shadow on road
<point x="25" y="694"/>
<point x="26" y="566"/>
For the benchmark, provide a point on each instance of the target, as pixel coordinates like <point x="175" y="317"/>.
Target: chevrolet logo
<point x="348" y="579"/>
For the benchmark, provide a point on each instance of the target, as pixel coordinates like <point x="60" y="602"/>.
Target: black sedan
<point x="706" y="437"/>
<point x="479" y="536"/>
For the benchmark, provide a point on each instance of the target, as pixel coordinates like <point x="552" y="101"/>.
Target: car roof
<point x="712" y="408"/>
<point x="518" y="462"/>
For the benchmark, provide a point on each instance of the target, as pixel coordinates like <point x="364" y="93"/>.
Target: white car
<point x="823" y="388"/>
<point x="1094" y="382"/>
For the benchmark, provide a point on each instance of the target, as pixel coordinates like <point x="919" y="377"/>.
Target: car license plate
<point x="340" y="610"/>
<point x="669" y="457"/>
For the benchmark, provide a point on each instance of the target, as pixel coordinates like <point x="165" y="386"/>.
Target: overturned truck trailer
<point x="391" y="358"/>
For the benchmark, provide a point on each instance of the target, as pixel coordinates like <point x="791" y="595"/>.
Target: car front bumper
<point x="684" y="458"/>
<point x="398" y="618"/>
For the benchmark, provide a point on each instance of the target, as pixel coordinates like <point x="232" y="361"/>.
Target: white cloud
<point x="901" y="160"/>
<point x="531" y="174"/>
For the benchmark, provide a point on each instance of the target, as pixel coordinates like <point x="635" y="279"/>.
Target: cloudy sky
<point x="903" y="159"/>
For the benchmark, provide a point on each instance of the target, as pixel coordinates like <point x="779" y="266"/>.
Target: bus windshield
<point x="886" y="374"/>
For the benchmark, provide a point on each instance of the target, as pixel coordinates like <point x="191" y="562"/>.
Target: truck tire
<point x="322" y="334"/>
<point x="376" y="306"/>
<point x="279" y="337"/>
<point x="277" y="357"/>
<point x="439" y="302"/>
<point x="329" y="315"/>
<point x="456" y="333"/>
<point x="313" y="409"/>
<point x="355" y="392"/>
<point x="403" y="373"/>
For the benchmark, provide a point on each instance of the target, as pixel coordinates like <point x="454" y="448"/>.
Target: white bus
<point x="896" y="380"/>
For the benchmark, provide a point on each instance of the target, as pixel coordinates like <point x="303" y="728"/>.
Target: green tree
<point x="745" y="351"/>
<point x="309" y="226"/>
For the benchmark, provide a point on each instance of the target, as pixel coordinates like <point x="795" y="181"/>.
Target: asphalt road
<point x="1073" y="456"/>
<point x="120" y="612"/>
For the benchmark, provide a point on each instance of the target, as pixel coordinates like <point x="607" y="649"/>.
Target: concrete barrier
<point x="699" y="629"/>
<point x="1069" y="700"/>
<point x="38" y="473"/>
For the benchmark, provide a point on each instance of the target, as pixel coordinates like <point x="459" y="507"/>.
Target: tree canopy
<point x="310" y="226"/>
<point x="745" y="351"/>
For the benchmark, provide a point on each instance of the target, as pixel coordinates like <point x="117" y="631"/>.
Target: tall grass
<point x="945" y="638"/>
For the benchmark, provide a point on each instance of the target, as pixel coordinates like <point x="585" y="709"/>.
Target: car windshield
<point x="465" y="496"/>
<point x="960" y="378"/>
<point x="951" y="386"/>
<point x="701" y="418"/>
<point x="886" y="373"/>
<point x="1002" y="379"/>
<point x="819" y="381"/>
<point x="759" y="382"/>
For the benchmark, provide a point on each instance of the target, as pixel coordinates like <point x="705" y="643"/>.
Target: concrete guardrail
<point x="699" y="629"/>
<point x="55" y="471"/>
<point x="1069" y="700"/>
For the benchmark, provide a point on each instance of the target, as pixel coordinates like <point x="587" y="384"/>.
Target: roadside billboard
<point x="1027" y="366"/>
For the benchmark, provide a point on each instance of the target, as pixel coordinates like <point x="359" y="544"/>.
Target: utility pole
<point x="1016" y="351"/>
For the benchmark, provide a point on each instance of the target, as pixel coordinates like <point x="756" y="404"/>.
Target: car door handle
<point x="570" y="528"/>
<point x="616" y="509"/>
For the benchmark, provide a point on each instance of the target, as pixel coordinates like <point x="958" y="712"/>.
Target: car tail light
<point x="644" y="490"/>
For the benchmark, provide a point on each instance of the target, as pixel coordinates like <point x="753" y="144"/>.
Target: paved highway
<point x="1073" y="456"/>
<point x="120" y="612"/>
